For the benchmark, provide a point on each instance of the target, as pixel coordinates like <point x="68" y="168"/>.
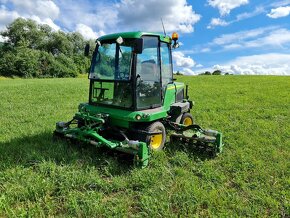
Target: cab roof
<point x="137" y="34"/>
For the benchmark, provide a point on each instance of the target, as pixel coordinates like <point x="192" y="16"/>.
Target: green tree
<point x="24" y="33"/>
<point x="1" y="49"/>
<point x="82" y="63"/>
<point x="64" y="67"/>
<point x="35" y="50"/>
<point x="22" y="62"/>
<point x="77" y="41"/>
<point x="59" y="43"/>
<point x="217" y="72"/>
<point x="26" y="62"/>
<point x="7" y="64"/>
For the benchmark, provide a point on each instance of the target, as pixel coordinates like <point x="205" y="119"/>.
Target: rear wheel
<point x="156" y="141"/>
<point x="186" y="119"/>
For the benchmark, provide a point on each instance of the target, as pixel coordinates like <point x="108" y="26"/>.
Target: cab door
<point x="148" y="79"/>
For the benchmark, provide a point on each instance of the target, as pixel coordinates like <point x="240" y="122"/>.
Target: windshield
<point x="111" y="93"/>
<point x="112" y="61"/>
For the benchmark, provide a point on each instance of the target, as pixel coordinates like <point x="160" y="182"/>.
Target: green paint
<point x="136" y="35"/>
<point x="122" y="118"/>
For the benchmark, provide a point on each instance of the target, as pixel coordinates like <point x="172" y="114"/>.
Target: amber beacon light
<point x="175" y="38"/>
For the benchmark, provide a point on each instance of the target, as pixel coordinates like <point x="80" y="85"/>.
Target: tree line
<point x="35" y="50"/>
<point x="207" y="73"/>
<point x="216" y="72"/>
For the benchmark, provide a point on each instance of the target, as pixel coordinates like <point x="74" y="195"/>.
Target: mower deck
<point x="92" y="128"/>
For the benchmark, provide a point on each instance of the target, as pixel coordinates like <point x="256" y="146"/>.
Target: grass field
<point x="251" y="178"/>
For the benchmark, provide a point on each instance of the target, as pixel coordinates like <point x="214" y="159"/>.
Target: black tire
<point x="154" y="141"/>
<point x="185" y="119"/>
<point x="80" y="123"/>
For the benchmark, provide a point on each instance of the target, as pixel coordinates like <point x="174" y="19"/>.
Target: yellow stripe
<point x="173" y="87"/>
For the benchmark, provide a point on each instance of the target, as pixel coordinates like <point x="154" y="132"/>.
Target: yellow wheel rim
<point x="156" y="141"/>
<point x="187" y="121"/>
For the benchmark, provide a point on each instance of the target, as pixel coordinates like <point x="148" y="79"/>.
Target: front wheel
<point x="186" y="119"/>
<point x="156" y="141"/>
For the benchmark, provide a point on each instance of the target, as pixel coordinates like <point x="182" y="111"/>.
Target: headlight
<point x="138" y="117"/>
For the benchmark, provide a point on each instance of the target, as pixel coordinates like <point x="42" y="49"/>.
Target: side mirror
<point x="138" y="46"/>
<point x="87" y="50"/>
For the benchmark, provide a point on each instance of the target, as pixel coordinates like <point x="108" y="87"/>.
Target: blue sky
<point x="235" y="36"/>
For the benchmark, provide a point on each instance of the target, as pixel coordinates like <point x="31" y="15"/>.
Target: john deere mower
<point x="134" y="101"/>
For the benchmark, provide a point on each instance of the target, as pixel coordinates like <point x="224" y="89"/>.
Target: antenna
<point x="163" y="26"/>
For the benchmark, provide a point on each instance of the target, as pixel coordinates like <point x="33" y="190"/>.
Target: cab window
<point x="166" y="66"/>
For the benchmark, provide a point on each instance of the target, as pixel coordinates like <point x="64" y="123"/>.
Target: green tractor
<point x="134" y="101"/>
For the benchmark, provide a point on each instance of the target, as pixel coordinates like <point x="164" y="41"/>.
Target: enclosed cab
<point x="133" y="72"/>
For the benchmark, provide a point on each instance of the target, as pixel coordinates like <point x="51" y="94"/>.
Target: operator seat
<point x="149" y="84"/>
<point x="149" y="70"/>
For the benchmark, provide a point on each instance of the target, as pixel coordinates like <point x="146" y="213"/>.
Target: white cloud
<point x="277" y="4"/>
<point x="187" y="71"/>
<point x="246" y="15"/>
<point x="241" y="35"/>
<point x="42" y="12"/>
<point x="6" y="17"/>
<point x="2" y="39"/>
<point x="50" y="23"/>
<point x="182" y="61"/>
<point x="128" y="15"/>
<point x="41" y="8"/>
<point x="47" y="21"/>
<point x="275" y="38"/>
<point x="263" y="38"/>
<point x="87" y="32"/>
<point x="176" y="15"/>
<point x="232" y="46"/>
<point x="204" y="50"/>
<point x="103" y="16"/>
<point x="258" y="10"/>
<point x="279" y="12"/>
<point x="225" y="6"/>
<point x="217" y="22"/>
<point x="97" y="16"/>
<point x="264" y="64"/>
